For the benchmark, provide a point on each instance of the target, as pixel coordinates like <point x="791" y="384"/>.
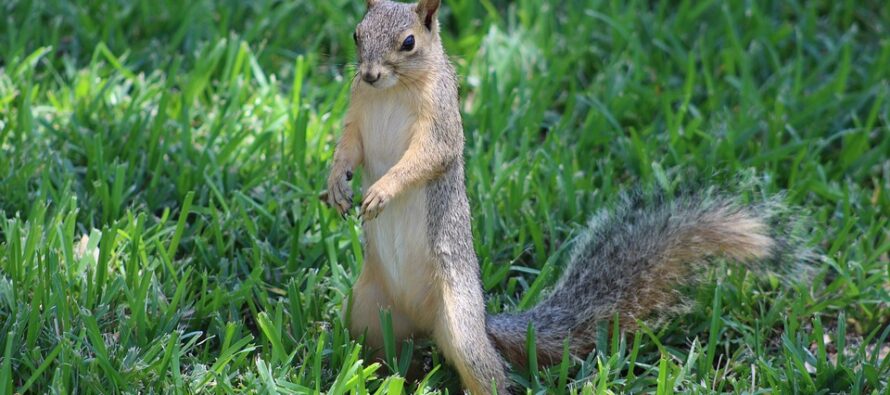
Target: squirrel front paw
<point x="376" y="199"/>
<point x="339" y="194"/>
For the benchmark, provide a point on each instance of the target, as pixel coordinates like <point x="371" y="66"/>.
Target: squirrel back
<point x="631" y="262"/>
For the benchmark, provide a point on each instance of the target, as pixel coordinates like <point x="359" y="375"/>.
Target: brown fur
<point x="404" y="128"/>
<point x="630" y="262"/>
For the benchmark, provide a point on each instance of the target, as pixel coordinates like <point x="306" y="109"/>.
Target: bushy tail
<point x="631" y="262"/>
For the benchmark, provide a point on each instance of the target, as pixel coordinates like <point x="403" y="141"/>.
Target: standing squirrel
<point x="404" y="127"/>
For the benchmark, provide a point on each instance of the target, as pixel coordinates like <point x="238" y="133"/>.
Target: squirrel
<point x="403" y="126"/>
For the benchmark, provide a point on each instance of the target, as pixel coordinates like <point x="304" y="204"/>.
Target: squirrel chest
<point x="399" y="234"/>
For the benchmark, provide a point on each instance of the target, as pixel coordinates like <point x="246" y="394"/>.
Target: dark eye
<point x="355" y="37"/>
<point x="408" y="44"/>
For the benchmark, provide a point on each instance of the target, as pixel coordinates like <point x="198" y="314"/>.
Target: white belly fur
<point x="399" y="233"/>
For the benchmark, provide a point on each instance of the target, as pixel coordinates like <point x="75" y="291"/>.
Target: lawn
<point x="160" y="163"/>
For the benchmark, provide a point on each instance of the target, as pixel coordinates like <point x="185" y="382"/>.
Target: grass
<point x="161" y="160"/>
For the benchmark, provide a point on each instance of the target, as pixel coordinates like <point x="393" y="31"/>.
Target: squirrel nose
<point x="371" y="77"/>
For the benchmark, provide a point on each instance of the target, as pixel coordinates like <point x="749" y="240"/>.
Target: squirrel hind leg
<point x="460" y="333"/>
<point x="363" y="309"/>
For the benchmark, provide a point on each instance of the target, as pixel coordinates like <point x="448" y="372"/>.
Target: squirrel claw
<point x="375" y="199"/>
<point x="373" y="204"/>
<point x="339" y="193"/>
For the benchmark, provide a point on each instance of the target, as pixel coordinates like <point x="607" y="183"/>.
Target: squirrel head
<point x="397" y="42"/>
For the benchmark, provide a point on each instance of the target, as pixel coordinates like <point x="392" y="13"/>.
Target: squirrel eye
<point x="408" y="44"/>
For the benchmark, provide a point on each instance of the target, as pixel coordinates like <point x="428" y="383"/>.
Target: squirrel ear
<point x="371" y="3"/>
<point x="427" y="10"/>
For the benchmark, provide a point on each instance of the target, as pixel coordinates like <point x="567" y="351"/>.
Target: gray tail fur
<point x="631" y="262"/>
